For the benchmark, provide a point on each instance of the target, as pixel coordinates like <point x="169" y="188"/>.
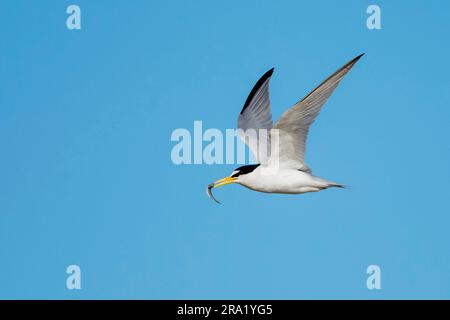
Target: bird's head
<point x="234" y="177"/>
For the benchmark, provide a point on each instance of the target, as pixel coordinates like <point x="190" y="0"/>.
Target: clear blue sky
<point x="86" y="176"/>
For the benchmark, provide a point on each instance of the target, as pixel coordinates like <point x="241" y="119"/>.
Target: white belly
<point x="284" y="181"/>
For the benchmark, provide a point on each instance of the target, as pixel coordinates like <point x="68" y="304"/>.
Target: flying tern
<point x="283" y="169"/>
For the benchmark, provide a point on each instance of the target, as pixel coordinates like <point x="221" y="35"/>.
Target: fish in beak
<point x="219" y="183"/>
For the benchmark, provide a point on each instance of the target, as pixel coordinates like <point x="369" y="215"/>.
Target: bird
<point x="281" y="169"/>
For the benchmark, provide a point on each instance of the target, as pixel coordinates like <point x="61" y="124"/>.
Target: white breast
<point x="282" y="181"/>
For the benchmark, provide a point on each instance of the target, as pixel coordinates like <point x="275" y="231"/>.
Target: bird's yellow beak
<point x="223" y="182"/>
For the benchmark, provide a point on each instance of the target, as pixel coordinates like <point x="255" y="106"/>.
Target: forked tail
<point x="342" y="186"/>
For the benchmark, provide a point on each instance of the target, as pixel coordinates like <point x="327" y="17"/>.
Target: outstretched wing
<point x="293" y="126"/>
<point x="256" y="115"/>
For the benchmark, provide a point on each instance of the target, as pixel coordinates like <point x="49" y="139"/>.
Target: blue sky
<point x="86" y="175"/>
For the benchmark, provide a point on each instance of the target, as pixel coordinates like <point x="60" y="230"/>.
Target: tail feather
<point x="336" y="185"/>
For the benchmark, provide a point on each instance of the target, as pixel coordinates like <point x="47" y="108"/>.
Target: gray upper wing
<point x="294" y="124"/>
<point x="256" y="115"/>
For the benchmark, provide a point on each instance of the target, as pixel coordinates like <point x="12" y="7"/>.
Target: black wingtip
<point x="359" y="57"/>
<point x="264" y="77"/>
<point x="350" y="64"/>
<point x="256" y="87"/>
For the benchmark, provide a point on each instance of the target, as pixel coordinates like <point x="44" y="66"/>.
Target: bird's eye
<point x="235" y="173"/>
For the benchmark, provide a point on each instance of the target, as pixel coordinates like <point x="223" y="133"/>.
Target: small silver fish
<point x="209" y="192"/>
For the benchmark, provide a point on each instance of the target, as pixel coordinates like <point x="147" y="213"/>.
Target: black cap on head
<point x="245" y="169"/>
